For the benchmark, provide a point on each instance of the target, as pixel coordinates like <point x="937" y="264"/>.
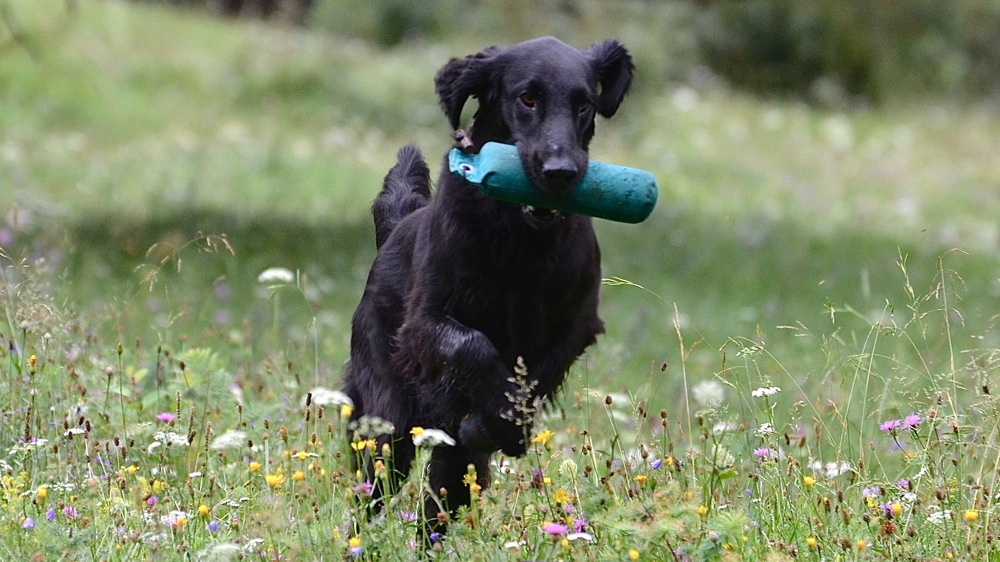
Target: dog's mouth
<point x="538" y="217"/>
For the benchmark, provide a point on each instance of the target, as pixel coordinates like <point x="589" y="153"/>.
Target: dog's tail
<point x="406" y="188"/>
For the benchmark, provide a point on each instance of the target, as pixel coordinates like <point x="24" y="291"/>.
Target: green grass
<point x="153" y="162"/>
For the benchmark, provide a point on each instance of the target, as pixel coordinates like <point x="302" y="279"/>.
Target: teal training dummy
<point x="607" y="191"/>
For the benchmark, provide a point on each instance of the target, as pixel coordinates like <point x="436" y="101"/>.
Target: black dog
<point x="464" y="285"/>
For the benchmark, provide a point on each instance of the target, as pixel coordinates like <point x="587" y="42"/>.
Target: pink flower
<point x="166" y="417"/>
<point x="911" y="421"/>
<point x="890" y="426"/>
<point x="554" y="529"/>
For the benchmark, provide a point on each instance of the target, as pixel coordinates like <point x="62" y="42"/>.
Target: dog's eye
<point x="528" y="100"/>
<point x="583" y="107"/>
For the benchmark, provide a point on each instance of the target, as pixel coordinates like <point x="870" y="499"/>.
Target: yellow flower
<point x="33" y="360"/>
<point x="474" y="489"/>
<point x="633" y="554"/>
<point x="702" y="510"/>
<point x="641" y="478"/>
<point x="346" y="410"/>
<point x="274" y="480"/>
<point x="543" y="438"/>
<point x="565" y="543"/>
<point x="254" y="466"/>
<point x="159" y="486"/>
<point x="547" y="481"/>
<point x="42" y="493"/>
<point x="203" y="511"/>
<point x="417" y="430"/>
<point x="808" y="481"/>
<point x="298" y="476"/>
<point x="180" y="522"/>
<point x="469" y="479"/>
<point x="560" y="496"/>
<point x="811" y="542"/>
<point x="132" y="469"/>
<point x="363" y="444"/>
<point x="861" y="544"/>
<point x="971" y="515"/>
<point x="897" y="509"/>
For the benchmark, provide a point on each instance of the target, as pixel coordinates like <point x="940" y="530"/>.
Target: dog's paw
<point x="473" y="434"/>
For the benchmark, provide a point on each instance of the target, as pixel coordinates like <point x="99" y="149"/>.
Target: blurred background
<point x="825" y="166"/>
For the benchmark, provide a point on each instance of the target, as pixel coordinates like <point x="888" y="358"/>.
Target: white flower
<point x="830" y="469"/>
<point x="768" y="391"/>
<point x="228" y="439"/>
<point x="324" y="397"/>
<point x="276" y="275"/>
<point x="765" y="429"/>
<point x="940" y="516"/>
<point x="709" y="394"/>
<point x="433" y="438"/>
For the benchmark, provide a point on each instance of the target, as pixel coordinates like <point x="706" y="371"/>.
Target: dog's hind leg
<point x="406" y="188"/>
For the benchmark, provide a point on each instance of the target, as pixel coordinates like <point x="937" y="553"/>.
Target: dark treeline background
<point x="831" y="52"/>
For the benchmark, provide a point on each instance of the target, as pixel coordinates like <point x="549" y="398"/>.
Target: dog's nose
<point x="560" y="173"/>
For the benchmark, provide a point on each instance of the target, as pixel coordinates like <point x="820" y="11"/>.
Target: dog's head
<point x="542" y="96"/>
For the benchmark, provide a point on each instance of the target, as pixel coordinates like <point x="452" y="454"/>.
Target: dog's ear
<point x="463" y="78"/>
<point x="614" y="69"/>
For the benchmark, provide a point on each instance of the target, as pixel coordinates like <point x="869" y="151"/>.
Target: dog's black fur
<point x="463" y="285"/>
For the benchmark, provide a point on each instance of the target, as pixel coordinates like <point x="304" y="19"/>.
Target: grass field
<point x="153" y="162"/>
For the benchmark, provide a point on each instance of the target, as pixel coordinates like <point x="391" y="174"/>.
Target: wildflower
<point x="42" y="493"/>
<point x="433" y="438"/>
<point x="702" y="510"/>
<point x="656" y="463"/>
<point x="70" y="511"/>
<point x="911" y="421"/>
<point x="904" y="484"/>
<point x="809" y="481"/>
<point x="971" y="515"/>
<point x="765" y="429"/>
<point x="276" y="275"/>
<point x="939" y="516"/>
<point x="416" y="431"/>
<point x="228" y="439"/>
<point x="554" y="529"/>
<point x="363" y="489"/>
<point x="28" y="523"/>
<point x="641" y="478"/>
<point x="633" y="554"/>
<point x="560" y="496"/>
<point x="254" y="466"/>
<point x="302" y="455"/>
<point x="578" y="525"/>
<point x="50" y="515"/>
<point x="762" y="453"/>
<point x="890" y="426"/>
<point x="363" y="444"/>
<point x="179" y="522"/>
<point x="213" y="526"/>
<point x="274" y="480"/>
<point x="870" y="491"/>
<point x="33" y="360"/>
<point x="324" y="397"/>
<point x="435" y="538"/>
<point x="298" y="476"/>
<point x="166" y="417"/>
<point x="811" y="542"/>
<point x="346" y="410"/>
<point x="354" y="546"/>
<point x="896" y="508"/>
<point x="152" y="500"/>
<point x="203" y="511"/>
<point x="408" y="516"/>
<point x="765" y="391"/>
<point x="861" y="544"/>
<point x="543" y="438"/>
<point x="710" y="394"/>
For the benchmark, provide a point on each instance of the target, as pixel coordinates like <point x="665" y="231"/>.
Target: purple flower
<point x="904" y="484"/>
<point x="886" y="509"/>
<point x="579" y="524"/>
<point x="655" y="464"/>
<point x="554" y="529"/>
<point x="28" y="524"/>
<point x="762" y="453"/>
<point x="912" y="421"/>
<point x="363" y="489"/>
<point x="870" y="491"/>
<point x="213" y="526"/>
<point x="890" y="426"/>
<point x="151" y="501"/>
<point x="51" y="514"/>
<point x="166" y="417"/>
<point x="355" y="551"/>
<point x="435" y="537"/>
<point x="408" y="516"/>
<point x="70" y="511"/>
